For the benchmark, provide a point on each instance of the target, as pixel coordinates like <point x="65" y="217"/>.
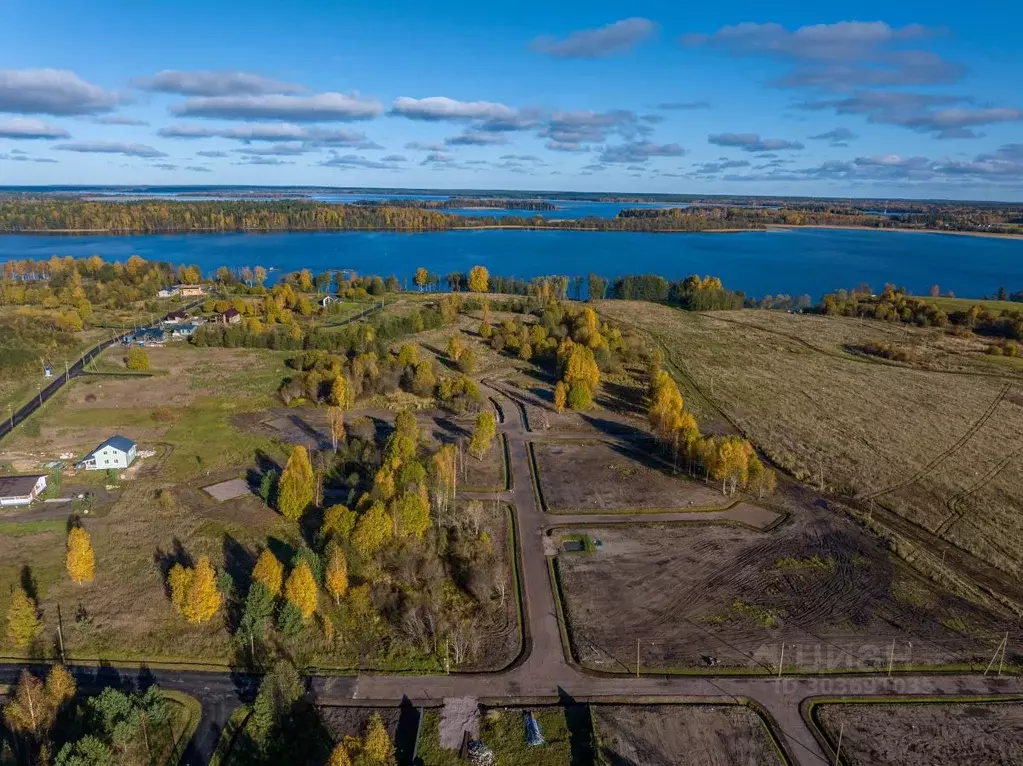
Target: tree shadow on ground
<point x="165" y="561"/>
<point x="238" y="563"/>
<point x="580" y="730"/>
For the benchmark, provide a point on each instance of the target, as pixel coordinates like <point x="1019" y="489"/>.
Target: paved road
<point x="545" y="671"/>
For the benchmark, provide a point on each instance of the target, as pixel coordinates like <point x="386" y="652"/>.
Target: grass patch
<point x="29" y="528"/>
<point x="578" y="543"/>
<point x="789" y="563"/>
<point x="910" y="592"/>
<point x="503" y="731"/>
<point x="758" y="615"/>
<point x="430" y="752"/>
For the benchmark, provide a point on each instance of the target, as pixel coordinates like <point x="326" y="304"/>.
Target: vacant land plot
<point x="924" y="734"/>
<point x="941" y="449"/>
<point x="308" y="426"/>
<point x="673" y="735"/>
<point x="502" y="730"/>
<point x="597" y="476"/>
<point x="185" y="405"/>
<point x="535" y="395"/>
<point x="714" y="595"/>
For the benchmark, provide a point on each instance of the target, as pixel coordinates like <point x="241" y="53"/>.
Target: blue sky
<point x="907" y="99"/>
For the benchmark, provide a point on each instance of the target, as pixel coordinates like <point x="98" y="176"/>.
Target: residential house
<point x="190" y="291"/>
<point x="21" y="489"/>
<point x="184" y="330"/>
<point x="329" y="300"/>
<point x="231" y="316"/>
<point x="167" y="292"/>
<point x="151" y="336"/>
<point x="175" y="317"/>
<point x="115" y="452"/>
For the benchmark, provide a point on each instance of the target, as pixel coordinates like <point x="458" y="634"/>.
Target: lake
<point x="795" y="262"/>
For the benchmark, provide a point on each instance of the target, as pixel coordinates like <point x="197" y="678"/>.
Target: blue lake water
<point x="811" y="261"/>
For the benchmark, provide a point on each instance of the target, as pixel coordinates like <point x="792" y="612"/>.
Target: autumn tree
<point x="34" y="706"/>
<point x="423" y="380"/>
<point x="455" y="348"/>
<point x="377" y="745"/>
<point x="300" y="590"/>
<point x="479" y="279"/>
<point x="483" y="434"/>
<point x="580" y="374"/>
<point x="79" y="558"/>
<point x="422" y="278"/>
<point x="296" y="487"/>
<point x="340" y="393"/>
<point x="336" y="424"/>
<point x="137" y="359"/>
<point x="559" y="396"/>
<point x="269" y="571"/>
<point x="411" y="513"/>
<point x="23" y="624"/>
<point x="442" y="469"/>
<point x="203" y="599"/>
<point x="339" y="755"/>
<point x="373" y="529"/>
<point x="666" y="405"/>
<point x="336" y="578"/>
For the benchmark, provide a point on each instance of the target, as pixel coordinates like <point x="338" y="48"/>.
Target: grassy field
<point x="17" y="390"/>
<point x="949" y="305"/>
<point x="938" y="447"/>
<point x="502" y="730"/>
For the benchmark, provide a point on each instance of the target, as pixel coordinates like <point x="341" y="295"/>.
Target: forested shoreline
<point x="24" y="216"/>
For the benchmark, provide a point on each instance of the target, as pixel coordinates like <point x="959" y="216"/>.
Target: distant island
<point x="70" y="214"/>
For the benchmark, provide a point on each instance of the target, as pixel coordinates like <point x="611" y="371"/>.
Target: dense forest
<point x="894" y="305"/>
<point x="459" y="203"/>
<point x="53" y="214"/>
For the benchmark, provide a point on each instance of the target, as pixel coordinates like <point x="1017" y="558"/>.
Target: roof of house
<point x="176" y="315"/>
<point x="231" y="313"/>
<point x="20" y="485"/>
<point x="122" y="443"/>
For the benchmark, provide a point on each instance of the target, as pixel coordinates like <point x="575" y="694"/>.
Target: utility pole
<point x="781" y="659"/>
<point x="637" y="658"/>
<point x="1005" y="645"/>
<point x="891" y="658"/>
<point x="838" y="751"/>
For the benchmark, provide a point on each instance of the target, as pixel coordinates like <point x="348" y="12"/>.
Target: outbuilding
<point x="21" y="489"/>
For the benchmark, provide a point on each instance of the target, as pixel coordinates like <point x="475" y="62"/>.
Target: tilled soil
<point x="597" y="476"/>
<point x="698" y="596"/>
<point x="926" y="734"/>
<point x="673" y="735"/>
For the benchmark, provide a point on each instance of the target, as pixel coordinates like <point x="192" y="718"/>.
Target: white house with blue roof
<point x="115" y="452"/>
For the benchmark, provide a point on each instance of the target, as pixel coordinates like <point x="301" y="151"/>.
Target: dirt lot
<point x="596" y="476"/>
<point x="942" y="449"/>
<point x="343" y="722"/>
<point x="925" y="734"/>
<point x="818" y="583"/>
<point x="673" y="735"/>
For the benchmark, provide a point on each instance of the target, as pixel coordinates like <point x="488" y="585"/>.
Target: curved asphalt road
<point x="545" y="671"/>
